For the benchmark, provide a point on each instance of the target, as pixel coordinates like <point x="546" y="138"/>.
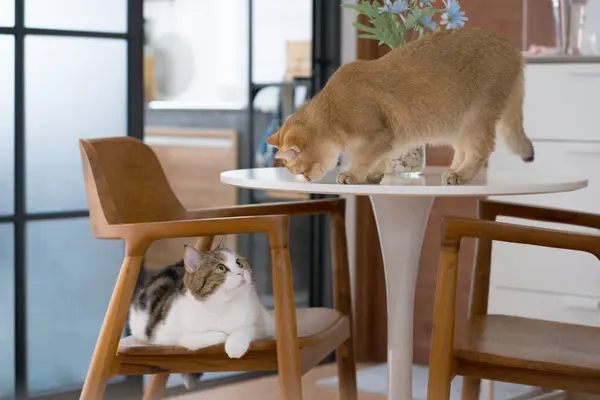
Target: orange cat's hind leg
<point x="475" y="150"/>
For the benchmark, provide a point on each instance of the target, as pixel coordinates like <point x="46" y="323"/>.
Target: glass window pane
<point x="178" y="48"/>
<point x="7" y="12"/>
<point x="7" y="122"/>
<point x="7" y="338"/>
<point x="70" y="279"/>
<point x="74" y="88"/>
<point x="79" y="15"/>
<point x="287" y="54"/>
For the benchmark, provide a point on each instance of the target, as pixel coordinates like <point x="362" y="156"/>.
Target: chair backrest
<point x="125" y="183"/>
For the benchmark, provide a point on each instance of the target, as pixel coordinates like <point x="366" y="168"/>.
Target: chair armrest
<point x="325" y="206"/>
<point x="490" y="210"/>
<point x="454" y="229"/>
<point x="137" y="236"/>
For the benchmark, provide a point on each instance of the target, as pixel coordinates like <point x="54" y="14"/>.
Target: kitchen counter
<point x="561" y="59"/>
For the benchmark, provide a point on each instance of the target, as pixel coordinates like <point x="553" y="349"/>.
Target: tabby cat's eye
<point x="221" y="268"/>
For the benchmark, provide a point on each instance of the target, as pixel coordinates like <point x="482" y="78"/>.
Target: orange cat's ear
<point x="273" y="140"/>
<point x="288" y="154"/>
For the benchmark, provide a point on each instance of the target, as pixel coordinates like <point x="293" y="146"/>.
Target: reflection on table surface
<point x="488" y="182"/>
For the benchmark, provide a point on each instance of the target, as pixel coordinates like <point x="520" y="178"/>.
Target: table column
<point x="401" y="222"/>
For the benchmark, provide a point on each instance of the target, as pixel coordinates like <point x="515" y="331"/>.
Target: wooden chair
<point x="130" y="199"/>
<point x="506" y="348"/>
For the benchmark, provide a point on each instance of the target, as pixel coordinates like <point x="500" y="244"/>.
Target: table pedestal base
<point x="401" y="222"/>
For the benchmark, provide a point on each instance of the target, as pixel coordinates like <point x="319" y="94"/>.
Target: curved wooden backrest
<point x="125" y="183"/>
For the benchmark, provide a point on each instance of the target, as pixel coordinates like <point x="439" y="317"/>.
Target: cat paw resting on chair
<point x="208" y="298"/>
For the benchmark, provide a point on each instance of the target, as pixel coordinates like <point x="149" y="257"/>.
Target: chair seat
<point x="320" y="331"/>
<point x="530" y="344"/>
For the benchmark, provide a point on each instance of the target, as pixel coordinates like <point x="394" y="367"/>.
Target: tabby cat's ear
<point x="191" y="259"/>
<point x="273" y="140"/>
<point x="288" y="154"/>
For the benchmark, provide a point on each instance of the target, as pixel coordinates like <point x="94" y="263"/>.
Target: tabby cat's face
<point x="214" y="271"/>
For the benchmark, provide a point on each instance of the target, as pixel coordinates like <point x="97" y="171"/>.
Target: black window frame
<point x="20" y="217"/>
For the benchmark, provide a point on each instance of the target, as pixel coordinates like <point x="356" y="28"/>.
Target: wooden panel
<point x="193" y="160"/>
<point x="370" y="318"/>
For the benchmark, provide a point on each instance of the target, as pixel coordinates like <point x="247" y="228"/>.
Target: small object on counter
<point x="535" y="50"/>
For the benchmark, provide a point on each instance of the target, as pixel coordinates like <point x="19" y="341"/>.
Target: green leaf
<point x="368" y="36"/>
<point x="410" y="22"/>
<point x="368" y="8"/>
<point x="428" y="12"/>
<point x="363" y="27"/>
<point x="365" y="8"/>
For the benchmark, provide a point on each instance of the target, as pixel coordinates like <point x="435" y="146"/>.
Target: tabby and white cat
<point x="461" y="87"/>
<point x="206" y="299"/>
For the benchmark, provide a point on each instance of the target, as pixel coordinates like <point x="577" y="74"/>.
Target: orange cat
<point x="458" y="87"/>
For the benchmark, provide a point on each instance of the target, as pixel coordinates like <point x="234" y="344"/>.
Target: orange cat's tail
<point x="510" y="125"/>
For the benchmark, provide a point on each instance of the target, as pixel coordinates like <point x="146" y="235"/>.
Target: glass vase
<point x="410" y="164"/>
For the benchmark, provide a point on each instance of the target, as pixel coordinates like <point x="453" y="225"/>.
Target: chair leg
<point x="204" y="243"/>
<point x="102" y="366"/>
<point x="441" y="369"/>
<point x="480" y="290"/>
<point x="343" y="303"/>
<point x="288" y="347"/>
<point x="156" y="386"/>
<point x="347" y="370"/>
<point x="470" y="389"/>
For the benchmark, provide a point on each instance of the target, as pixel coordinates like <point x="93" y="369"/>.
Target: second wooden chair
<point x="508" y="348"/>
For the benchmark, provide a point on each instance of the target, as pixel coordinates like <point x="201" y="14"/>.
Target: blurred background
<point x="203" y="82"/>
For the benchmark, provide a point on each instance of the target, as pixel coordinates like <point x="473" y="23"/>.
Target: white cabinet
<point x="562" y="101"/>
<point x="562" y="107"/>
<point x="558" y="157"/>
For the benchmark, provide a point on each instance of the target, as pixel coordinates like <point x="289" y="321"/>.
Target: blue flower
<point x="387" y="6"/>
<point x="399" y="6"/>
<point x="426" y="3"/>
<point x="422" y="21"/>
<point x="452" y="6"/>
<point x="453" y="17"/>
<point x="425" y="21"/>
<point x="394" y="7"/>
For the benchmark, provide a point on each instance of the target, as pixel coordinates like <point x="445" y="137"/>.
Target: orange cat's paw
<point x="451" y="178"/>
<point x="375" y="177"/>
<point x="347" y="178"/>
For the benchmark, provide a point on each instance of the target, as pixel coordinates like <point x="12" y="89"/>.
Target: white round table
<point x="401" y="208"/>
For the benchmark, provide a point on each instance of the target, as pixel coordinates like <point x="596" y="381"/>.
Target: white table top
<point x="487" y="183"/>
